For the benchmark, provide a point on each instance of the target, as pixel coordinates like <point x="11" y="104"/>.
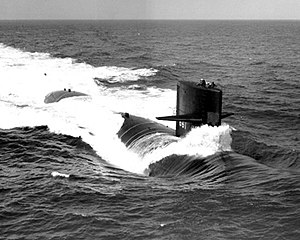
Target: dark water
<point x="57" y="185"/>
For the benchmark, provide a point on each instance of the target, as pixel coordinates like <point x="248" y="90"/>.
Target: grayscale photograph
<point x="149" y="119"/>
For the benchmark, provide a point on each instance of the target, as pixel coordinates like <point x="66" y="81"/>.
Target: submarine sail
<point x="197" y="104"/>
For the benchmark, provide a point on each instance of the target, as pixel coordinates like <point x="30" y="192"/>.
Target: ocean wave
<point x="209" y="168"/>
<point x="113" y="75"/>
<point x="222" y="169"/>
<point x="257" y="63"/>
<point x="271" y="155"/>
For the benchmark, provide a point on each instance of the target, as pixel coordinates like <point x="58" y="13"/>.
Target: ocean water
<point x="64" y="173"/>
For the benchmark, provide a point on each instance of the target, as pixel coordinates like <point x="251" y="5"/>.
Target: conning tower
<point x="197" y="104"/>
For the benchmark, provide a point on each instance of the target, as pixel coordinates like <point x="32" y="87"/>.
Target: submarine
<point x="56" y="96"/>
<point x="197" y="104"/>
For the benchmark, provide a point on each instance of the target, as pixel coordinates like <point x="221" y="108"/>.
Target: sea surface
<point x="65" y="174"/>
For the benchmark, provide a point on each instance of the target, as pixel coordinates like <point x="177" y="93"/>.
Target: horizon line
<point x="144" y="19"/>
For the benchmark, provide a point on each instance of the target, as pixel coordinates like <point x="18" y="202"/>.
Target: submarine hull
<point x="135" y="128"/>
<point x="56" y="96"/>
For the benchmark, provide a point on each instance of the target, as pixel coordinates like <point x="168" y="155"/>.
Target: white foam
<point x="26" y="78"/>
<point x="120" y="74"/>
<point x="57" y="174"/>
<point x="201" y="141"/>
<point x="30" y="76"/>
